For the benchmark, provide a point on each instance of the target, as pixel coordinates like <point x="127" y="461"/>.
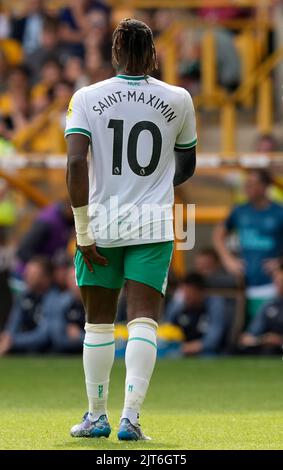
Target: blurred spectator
<point x="266" y="143"/>
<point x="75" y="24"/>
<point x="14" y="99"/>
<point x="4" y="22"/>
<point x="259" y="224"/>
<point x="96" y="68"/>
<point x="99" y="35"/>
<point x="216" y="14"/>
<point x="27" y="29"/>
<point x="45" y="131"/>
<point x="50" y="74"/>
<point x="27" y="327"/>
<point x="227" y="58"/>
<point x="201" y="318"/>
<point x="49" y="233"/>
<point x="265" y="332"/>
<point x="49" y="48"/>
<point x="6" y="263"/>
<point x="74" y="73"/>
<point x="61" y="264"/>
<point x="67" y="326"/>
<point x="208" y="264"/>
<point x="4" y="69"/>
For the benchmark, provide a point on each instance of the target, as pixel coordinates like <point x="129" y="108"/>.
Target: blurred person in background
<point x="50" y="74"/>
<point x="61" y="263"/>
<point x="75" y="25"/>
<point x="50" y="233"/>
<point x="201" y="318"/>
<point x="6" y="263"/>
<point x="5" y="26"/>
<point x="259" y="225"/>
<point x="266" y="143"/>
<point x="45" y="131"/>
<point x="4" y="71"/>
<point x="14" y="97"/>
<point x="215" y="14"/>
<point x="27" y="29"/>
<point x="48" y="48"/>
<point x="208" y="264"/>
<point x="96" y="68"/>
<point x="99" y="35"/>
<point x="265" y="332"/>
<point x="27" y="329"/>
<point x="67" y="326"/>
<point x="74" y="72"/>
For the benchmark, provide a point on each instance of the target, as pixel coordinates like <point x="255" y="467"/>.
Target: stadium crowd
<point x="200" y="311"/>
<point x="45" y="55"/>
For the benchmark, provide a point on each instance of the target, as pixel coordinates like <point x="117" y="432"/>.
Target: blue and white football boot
<point x="131" y="432"/>
<point x="88" y="428"/>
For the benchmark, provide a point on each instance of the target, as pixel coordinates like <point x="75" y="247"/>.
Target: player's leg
<point x="100" y="302"/>
<point x="146" y="270"/>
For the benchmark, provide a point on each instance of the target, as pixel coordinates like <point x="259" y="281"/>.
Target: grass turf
<point x="192" y="404"/>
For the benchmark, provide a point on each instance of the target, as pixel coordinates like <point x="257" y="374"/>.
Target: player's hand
<point x="91" y="256"/>
<point x="234" y="265"/>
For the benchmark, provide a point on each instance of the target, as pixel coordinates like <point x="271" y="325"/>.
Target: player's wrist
<point x="84" y="233"/>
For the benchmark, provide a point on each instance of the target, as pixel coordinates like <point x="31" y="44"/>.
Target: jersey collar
<point x="132" y="77"/>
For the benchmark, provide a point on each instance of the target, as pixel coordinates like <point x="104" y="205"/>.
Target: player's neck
<point x="131" y="73"/>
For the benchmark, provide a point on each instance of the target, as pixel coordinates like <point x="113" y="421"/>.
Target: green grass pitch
<point x="192" y="404"/>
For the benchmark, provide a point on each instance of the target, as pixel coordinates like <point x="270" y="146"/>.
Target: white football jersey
<point x="133" y="123"/>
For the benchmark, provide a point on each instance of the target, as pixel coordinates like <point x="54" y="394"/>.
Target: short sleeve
<point x="187" y="136"/>
<point x="76" y="119"/>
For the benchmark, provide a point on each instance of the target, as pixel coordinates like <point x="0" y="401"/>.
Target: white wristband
<point x="82" y="226"/>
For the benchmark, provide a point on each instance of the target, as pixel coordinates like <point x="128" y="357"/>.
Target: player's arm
<point x="78" y="187"/>
<point x="78" y="137"/>
<point x="185" y="164"/>
<point x="185" y="145"/>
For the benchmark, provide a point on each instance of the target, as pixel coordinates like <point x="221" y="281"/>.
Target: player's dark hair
<point x="263" y="175"/>
<point x="133" y="49"/>
<point x="194" y="279"/>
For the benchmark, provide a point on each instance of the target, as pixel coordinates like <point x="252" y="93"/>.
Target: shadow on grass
<point x="105" y="444"/>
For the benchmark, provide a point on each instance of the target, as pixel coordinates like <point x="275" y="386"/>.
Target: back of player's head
<point x="133" y="49"/>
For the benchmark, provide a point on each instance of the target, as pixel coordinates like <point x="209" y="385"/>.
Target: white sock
<point x="98" y="358"/>
<point x="140" y="362"/>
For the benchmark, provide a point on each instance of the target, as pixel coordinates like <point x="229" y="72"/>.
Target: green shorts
<point x="148" y="263"/>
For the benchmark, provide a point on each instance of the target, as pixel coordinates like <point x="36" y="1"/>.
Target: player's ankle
<point x="131" y="415"/>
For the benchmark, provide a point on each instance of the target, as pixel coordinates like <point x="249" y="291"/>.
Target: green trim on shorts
<point x="145" y="263"/>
